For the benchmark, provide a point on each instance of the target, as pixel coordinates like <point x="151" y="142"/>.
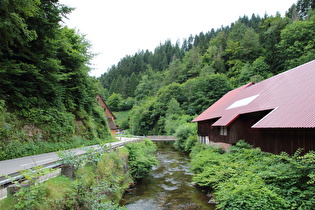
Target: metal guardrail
<point x="17" y="175"/>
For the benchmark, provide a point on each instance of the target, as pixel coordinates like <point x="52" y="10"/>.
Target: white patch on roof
<point x="242" y="102"/>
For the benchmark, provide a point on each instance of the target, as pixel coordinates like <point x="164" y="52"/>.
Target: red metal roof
<point x="290" y="95"/>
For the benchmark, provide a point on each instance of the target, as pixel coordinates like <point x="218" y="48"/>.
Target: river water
<point x="168" y="186"/>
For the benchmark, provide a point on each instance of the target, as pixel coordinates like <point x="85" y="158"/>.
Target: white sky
<point x="123" y="27"/>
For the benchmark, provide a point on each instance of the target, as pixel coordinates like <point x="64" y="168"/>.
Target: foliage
<point x="157" y="115"/>
<point x="186" y="137"/>
<point x="100" y="180"/>
<point x="248" y="178"/>
<point x="144" y="117"/>
<point x="47" y="97"/>
<point x="122" y="119"/>
<point x="141" y="157"/>
<point x="30" y="194"/>
<point x="114" y="102"/>
<point x="297" y="43"/>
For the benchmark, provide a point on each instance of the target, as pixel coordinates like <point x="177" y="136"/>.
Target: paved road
<point x="12" y="167"/>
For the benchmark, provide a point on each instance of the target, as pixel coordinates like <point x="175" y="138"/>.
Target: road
<point x="12" y="167"/>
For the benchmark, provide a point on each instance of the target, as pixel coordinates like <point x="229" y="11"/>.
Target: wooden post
<point x="68" y="171"/>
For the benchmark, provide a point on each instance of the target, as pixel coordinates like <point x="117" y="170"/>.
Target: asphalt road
<point x="12" y="167"/>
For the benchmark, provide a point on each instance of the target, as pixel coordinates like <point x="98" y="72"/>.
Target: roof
<point x="102" y="103"/>
<point x="290" y="96"/>
<point x="111" y="124"/>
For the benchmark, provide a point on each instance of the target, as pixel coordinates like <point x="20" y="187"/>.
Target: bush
<point x="247" y="191"/>
<point x="141" y="157"/>
<point x="186" y="137"/>
<point x="246" y="178"/>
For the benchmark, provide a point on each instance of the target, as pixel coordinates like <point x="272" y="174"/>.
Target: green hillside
<point x="47" y="98"/>
<point x="178" y="81"/>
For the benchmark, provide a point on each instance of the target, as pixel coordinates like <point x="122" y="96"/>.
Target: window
<point x="223" y="131"/>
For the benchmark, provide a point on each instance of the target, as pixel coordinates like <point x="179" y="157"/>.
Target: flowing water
<point x="168" y="186"/>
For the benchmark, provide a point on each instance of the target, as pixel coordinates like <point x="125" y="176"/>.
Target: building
<point x="277" y="114"/>
<point x="109" y="115"/>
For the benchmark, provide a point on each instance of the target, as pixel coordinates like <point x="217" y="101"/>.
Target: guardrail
<point x="55" y="160"/>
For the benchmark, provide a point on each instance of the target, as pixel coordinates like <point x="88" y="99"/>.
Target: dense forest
<point x="47" y="98"/>
<point x="169" y="86"/>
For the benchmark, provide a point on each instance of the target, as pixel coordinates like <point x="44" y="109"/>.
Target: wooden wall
<point x="273" y="140"/>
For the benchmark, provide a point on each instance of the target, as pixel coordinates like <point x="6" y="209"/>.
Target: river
<point x="168" y="186"/>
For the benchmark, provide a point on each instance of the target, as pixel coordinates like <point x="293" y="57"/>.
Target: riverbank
<point x="247" y="178"/>
<point x="168" y="185"/>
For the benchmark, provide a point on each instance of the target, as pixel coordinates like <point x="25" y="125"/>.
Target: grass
<point x="7" y="203"/>
<point x="55" y="190"/>
<point x="58" y="187"/>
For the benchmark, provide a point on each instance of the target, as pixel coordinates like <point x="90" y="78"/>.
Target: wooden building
<point x="277" y="114"/>
<point x="109" y="115"/>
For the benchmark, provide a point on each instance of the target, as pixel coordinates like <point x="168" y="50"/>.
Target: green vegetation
<point x="186" y="137"/>
<point x="246" y="178"/>
<point x="195" y="73"/>
<point x="122" y="119"/>
<point x="47" y="98"/>
<point x="47" y="103"/>
<point x="100" y="179"/>
<point x="141" y="158"/>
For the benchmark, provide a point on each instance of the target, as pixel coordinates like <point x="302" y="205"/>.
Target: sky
<point x="117" y="28"/>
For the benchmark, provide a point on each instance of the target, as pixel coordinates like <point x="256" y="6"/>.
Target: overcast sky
<point x="122" y="27"/>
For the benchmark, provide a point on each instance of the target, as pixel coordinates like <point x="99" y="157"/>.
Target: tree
<point x="144" y="117"/>
<point x="303" y="7"/>
<point x="143" y="89"/>
<point x="131" y="84"/>
<point x="114" y="102"/>
<point x="166" y="93"/>
<point x="30" y="68"/>
<point x="174" y="73"/>
<point x="255" y="72"/>
<point x="297" y="44"/>
<point x="202" y="92"/>
<point x="270" y="36"/>
<point x="14" y="30"/>
<point x="173" y="107"/>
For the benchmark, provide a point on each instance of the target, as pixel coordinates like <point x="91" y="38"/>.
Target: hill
<point x="189" y="77"/>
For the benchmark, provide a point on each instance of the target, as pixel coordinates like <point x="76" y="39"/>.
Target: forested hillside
<point x="47" y="99"/>
<point x="167" y="87"/>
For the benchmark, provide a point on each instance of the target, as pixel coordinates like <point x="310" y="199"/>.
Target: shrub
<point x="247" y="191"/>
<point x="141" y="157"/>
<point x="246" y="178"/>
<point x="183" y="133"/>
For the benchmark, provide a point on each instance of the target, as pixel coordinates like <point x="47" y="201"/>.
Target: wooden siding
<point x="276" y="140"/>
<point x="273" y="140"/>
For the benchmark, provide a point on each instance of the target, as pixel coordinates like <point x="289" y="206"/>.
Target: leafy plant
<point x="248" y="178"/>
<point x="30" y="194"/>
<point x="185" y="137"/>
<point x="141" y="157"/>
